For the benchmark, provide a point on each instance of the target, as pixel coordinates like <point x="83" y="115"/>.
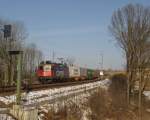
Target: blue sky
<point x="71" y="28"/>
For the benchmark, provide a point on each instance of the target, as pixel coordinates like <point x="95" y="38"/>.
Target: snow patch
<point x="147" y="94"/>
<point x="51" y="94"/>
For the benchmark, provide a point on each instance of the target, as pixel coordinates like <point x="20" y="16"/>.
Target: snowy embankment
<point x="72" y="94"/>
<point x="75" y="99"/>
<point x="51" y="94"/>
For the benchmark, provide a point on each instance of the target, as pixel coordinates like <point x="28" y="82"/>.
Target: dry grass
<point x="111" y="104"/>
<point x="71" y="112"/>
<point x="103" y="107"/>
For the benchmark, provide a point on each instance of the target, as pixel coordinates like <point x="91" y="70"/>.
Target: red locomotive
<point x="48" y="72"/>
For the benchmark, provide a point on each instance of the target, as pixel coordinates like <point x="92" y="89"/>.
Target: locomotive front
<point x="44" y="72"/>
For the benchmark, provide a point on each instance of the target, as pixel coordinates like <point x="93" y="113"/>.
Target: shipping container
<point x="83" y="73"/>
<point x="90" y="74"/>
<point x="74" y="72"/>
<point x="61" y="71"/>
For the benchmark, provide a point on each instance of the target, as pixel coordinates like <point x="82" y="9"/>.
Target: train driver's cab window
<point x="47" y="68"/>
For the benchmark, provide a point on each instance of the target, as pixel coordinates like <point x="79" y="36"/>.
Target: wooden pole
<point x="19" y="56"/>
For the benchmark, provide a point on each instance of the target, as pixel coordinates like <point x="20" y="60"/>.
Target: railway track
<point x="9" y="89"/>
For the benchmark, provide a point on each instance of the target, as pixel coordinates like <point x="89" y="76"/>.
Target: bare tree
<point x="31" y="59"/>
<point x="130" y="26"/>
<point x="70" y="60"/>
<point x="31" y="55"/>
<point x="14" y="42"/>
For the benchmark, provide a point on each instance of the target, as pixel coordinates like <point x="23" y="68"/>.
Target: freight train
<point x="58" y="72"/>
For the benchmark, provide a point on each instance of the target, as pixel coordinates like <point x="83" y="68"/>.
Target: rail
<point x="7" y="89"/>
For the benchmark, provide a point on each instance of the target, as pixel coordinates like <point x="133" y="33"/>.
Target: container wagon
<point x="61" y="72"/>
<point x="83" y="73"/>
<point x="74" y="72"/>
<point x="90" y="74"/>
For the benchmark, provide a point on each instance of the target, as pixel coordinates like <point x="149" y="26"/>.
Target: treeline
<point x="8" y="64"/>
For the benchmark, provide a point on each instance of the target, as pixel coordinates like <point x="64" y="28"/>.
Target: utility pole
<point x="101" y="65"/>
<point x="19" y="72"/>
<point x="53" y="56"/>
<point x="101" y="61"/>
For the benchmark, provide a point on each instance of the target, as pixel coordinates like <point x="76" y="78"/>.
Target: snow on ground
<point x="4" y="115"/>
<point x="51" y="94"/>
<point x="76" y="99"/>
<point x="147" y="94"/>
